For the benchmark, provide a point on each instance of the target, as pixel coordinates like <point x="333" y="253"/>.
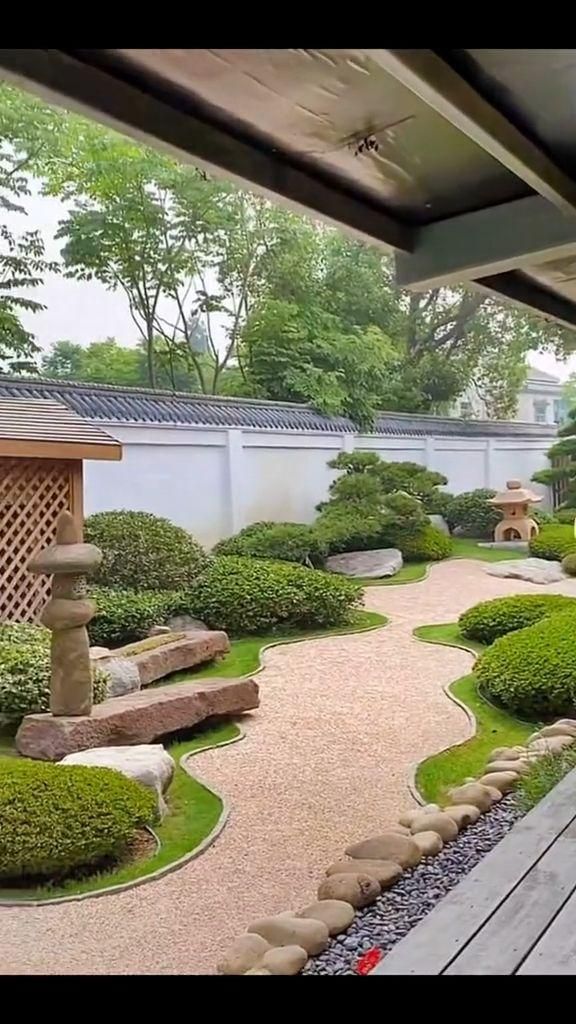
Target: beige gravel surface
<point x="325" y="762"/>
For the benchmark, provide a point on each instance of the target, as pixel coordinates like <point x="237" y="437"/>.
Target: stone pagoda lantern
<point x="66" y="615"/>
<point x="514" y="503"/>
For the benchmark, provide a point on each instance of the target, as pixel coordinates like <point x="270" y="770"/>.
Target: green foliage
<point x="25" y="671"/>
<point x="55" y="819"/>
<point x="251" y="595"/>
<point x="409" y="477"/>
<point x="566" y="516"/>
<point x="285" y="542"/>
<point x="439" y="503"/>
<point x="471" y="514"/>
<point x="124" y="616"/>
<point x="569" y="564"/>
<point x="428" y="544"/>
<point x="553" y="543"/>
<point x="350" y="527"/>
<point x="143" y="552"/>
<point x="544" y="774"/>
<point x="532" y="672"/>
<point x="489" y="620"/>
<point x="564" y="474"/>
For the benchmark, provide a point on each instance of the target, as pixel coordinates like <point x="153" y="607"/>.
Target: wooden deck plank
<point x="430" y="947"/>
<point x="556" y="952"/>
<point x="508" y="936"/>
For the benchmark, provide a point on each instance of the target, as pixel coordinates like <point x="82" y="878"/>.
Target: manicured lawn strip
<point x="494" y="728"/>
<point x="244" y="656"/>
<point x="463" y="547"/>
<point x="194" y="812"/>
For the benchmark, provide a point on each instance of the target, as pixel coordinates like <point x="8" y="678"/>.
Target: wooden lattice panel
<point x="33" y="492"/>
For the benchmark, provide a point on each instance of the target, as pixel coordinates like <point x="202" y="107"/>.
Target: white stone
<point x="123" y="674"/>
<point x="371" y="564"/>
<point x="534" y="570"/>
<point x="185" y="624"/>
<point x="147" y="763"/>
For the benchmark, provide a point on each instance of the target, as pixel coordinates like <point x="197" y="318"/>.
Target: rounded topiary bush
<point x="285" y="542"/>
<point x="251" y="595"/>
<point x="470" y="513"/>
<point x="428" y="544"/>
<point x="553" y="542"/>
<point x="532" y="672"/>
<point x="439" y="503"/>
<point x="489" y="620"/>
<point x="56" y="819"/>
<point x="123" y="616"/>
<point x="143" y="552"/>
<point x="25" y="671"/>
<point x="349" y="528"/>
<point x="569" y="564"/>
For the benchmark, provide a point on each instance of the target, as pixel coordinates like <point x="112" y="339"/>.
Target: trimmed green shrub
<point x="544" y="774"/>
<point x="284" y="542"/>
<point x="351" y="528"/>
<point x="25" y="671"/>
<point x="540" y="516"/>
<point x="569" y="564"/>
<point x="428" y="544"/>
<point x="251" y="595"/>
<point x="471" y="514"/>
<point x="567" y="516"/>
<point x="489" y="620"/>
<point x="532" y="672"/>
<point x="55" y="819"/>
<point x="143" y="552"/>
<point x="553" y="542"/>
<point x="123" y="616"/>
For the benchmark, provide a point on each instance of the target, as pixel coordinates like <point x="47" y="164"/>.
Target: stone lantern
<point x="66" y="615"/>
<point x="514" y="503"/>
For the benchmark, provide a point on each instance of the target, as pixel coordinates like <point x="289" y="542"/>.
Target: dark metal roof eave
<point x="144" y="407"/>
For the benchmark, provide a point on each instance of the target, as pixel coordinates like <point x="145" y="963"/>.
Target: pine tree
<point x="563" y="473"/>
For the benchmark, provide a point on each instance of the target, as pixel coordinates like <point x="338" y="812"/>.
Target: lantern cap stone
<point x="514" y="494"/>
<point x="72" y="559"/>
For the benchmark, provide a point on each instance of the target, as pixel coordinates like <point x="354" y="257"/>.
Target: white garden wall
<point x="214" y="481"/>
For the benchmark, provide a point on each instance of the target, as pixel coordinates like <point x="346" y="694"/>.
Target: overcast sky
<point x="85" y="311"/>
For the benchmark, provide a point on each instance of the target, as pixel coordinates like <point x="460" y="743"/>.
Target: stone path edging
<point x="168" y="868"/>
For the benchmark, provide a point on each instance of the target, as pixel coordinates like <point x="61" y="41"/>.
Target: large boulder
<point x="370" y="564"/>
<point x="147" y="763"/>
<point x="193" y="649"/>
<point x="534" y="570"/>
<point x="440" y="523"/>
<point x="136" y="718"/>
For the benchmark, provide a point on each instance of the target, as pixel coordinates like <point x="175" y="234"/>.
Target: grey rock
<point x="534" y="570"/>
<point x="159" y="630"/>
<point x="123" y="674"/>
<point x="372" y="564"/>
<point x="440" y="523"/>
<point x="147" y="763"/>
<point x="185" y="624"/>
<point x="505" y="545"/>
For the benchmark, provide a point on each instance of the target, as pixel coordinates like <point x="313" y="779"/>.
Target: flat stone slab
<point x="534" y="570"/>
<point x="372" y="564"/>
<point x="193" y="649"/>
<point x="505" y="545"/>
<point x="135" y="718"/>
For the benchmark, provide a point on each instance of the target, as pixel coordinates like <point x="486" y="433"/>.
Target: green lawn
<point x="494" y="728"/>
<point x="463" y="547"/>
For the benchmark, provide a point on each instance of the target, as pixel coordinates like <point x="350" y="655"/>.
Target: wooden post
<point x="77" y="494"/>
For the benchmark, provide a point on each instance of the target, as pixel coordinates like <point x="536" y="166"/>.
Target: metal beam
<point x="487" y="242"/>
<point x="525" y="291"/>
<point x="443" y="89"/>
<point x="153" y="113"/>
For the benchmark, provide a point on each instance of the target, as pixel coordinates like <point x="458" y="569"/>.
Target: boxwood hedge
<point x="489" y="620"/>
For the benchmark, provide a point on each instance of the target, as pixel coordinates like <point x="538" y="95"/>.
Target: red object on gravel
<point x="367" y="962"/>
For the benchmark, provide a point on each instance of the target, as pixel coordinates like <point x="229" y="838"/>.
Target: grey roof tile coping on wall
<point x="112" y="404"/>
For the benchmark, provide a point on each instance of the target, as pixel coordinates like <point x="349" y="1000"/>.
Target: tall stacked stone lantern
<point x="66" y="614"/>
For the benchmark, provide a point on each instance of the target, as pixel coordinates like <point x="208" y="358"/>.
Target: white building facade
<point x="540" y="401"/>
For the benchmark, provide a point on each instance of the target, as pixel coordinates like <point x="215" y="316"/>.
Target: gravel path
<point x="325" y="761"/>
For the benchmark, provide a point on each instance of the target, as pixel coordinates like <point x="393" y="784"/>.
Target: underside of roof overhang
<point x="461" y="161"/>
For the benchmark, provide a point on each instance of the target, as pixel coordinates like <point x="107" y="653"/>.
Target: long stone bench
<point x="139" y="717"/>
